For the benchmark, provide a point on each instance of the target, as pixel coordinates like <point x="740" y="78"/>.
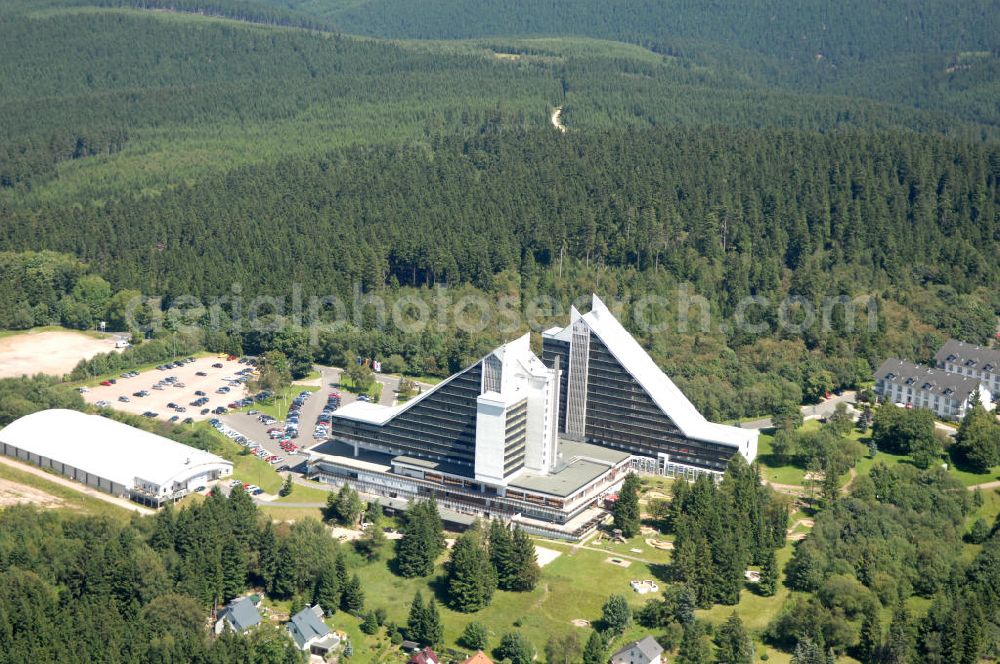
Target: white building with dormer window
<point x="948" y="395"/>
<point x="973" y="361"/>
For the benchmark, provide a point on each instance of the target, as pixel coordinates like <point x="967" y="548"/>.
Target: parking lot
<point x="251" y="426"/>
<point x="180" y="391"/>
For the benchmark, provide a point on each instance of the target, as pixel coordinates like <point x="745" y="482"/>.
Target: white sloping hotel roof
<point x="657" y="384"/>
<point x="107" y="448"/>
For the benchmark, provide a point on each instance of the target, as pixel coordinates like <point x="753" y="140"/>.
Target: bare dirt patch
<point x="580" y="622"/>
<point x="53" y="352"/>
<point x="618" y="561"/>
<point x="545" y="556"/>
<point x="12" y="493"/>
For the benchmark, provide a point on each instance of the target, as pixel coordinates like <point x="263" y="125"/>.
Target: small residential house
<point x="974" y="361"/>
<point x="948" y="395"/>
<point x="310" y="633"/>
<point x="645" y="651"/>
<point x="425" y="656"/>
<point x="479" y="658"/>
<point x="240" y="615"/>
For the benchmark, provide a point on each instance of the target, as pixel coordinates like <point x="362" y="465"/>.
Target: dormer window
<point x="988" y="367"/>
<point x="952" y="358"/>
<point x="890" y="376"/>
<point x="970" y="363"/>
<point x="909" y="381"/>
<point x="948" y="392"/>
<point x="926" y="386"/>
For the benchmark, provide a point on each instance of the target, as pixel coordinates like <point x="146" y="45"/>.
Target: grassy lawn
<point x="305" y="494"/>
<point x="559" y="598"/>
<point x="54" y="328"/>
<point x="70" y="498"/>
<point x="278" y="513"/>
<point x="374" y="390"/>
<point x="770" y="467"/>
<point x="277" y="406"/>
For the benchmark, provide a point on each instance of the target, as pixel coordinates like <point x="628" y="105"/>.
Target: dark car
<point x="217" y="365"/>
<point x="204" y="411"/>
<point x="188" y="420"/>
<point x="149" y="413"/>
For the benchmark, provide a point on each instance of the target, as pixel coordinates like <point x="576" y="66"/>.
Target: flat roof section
<point x="564" y="482"/>
<point x="365" y="460"/>
<point x="456" y="469"/>
<point x="570" y="449"/>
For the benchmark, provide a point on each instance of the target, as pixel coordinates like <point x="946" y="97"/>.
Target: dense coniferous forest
<point x="383" y="151"/>
<point x="86" y="589"/>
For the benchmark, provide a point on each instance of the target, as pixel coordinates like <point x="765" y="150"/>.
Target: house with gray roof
<point x="240" y="615"/>
<point x="964" y="359"/>
<point x="644" y="651"/>
<point x="910" y="385"/>
<point x="309" y="631"/>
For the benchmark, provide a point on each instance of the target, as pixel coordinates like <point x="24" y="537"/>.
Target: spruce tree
<point x="734" y="643"/>
<point x="899" y="644"/>
<point x="626" y="510"/>
<point x="695" y="647"/>
<point x="593" y="652"/>
<point x="525" y="563"/>
<point x="433" y="629"/>
<point x="327" y="591"/>
<point x="352" y="598"/>
<point x="475" y="636"/>
<point x="769" y="574"/>
<point x="422" y="541"/>
<point x="416" y="625"/>
<point x="502" y="554"/>
<point x="516" y="648"/>
<point x="616" y="614"/>
<point x="234" y="569"/>
<point x="471" y="578"/>
<point x="870" y="638"/>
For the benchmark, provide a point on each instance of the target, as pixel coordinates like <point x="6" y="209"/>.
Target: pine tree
<point x="870" y="638"/>
<point x="502" y="554"/>
<point x="695" y="647"/>
<point x="734" y="643"/>
<point x="475" y="636"/>
<point x="525" y="563"/>
<point x="352" y="599"/>
<point x="516" y="648"/>
<point x="370" y="623"/>
<point x="769" y="574"/>
<point x="267" y="556"/>
<point x="626" y="509"/>
<point x="422" y="541"/>
<point x="471" y="578"/>
<point x="616" y="614"/>
<point x="327" y="591"/>
<point x="807" y="652"/>
<point x="433" y="629"/>
<point x="234" y="570"/>
<point x="593" y="652"/>
<point x="899" y="645"/>
<point x="416" y="625"/>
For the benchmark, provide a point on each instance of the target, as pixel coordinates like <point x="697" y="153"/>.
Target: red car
<point x="106" y="383"/>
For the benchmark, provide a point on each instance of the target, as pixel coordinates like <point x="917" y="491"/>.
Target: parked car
<point x="124" y="399"/>
<point x="106" y="383"/>
<point x="150" y="414"/>
<point x="200" y="373"/>
<point x="217" y="365"/>
<point x="188" y="420"/>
